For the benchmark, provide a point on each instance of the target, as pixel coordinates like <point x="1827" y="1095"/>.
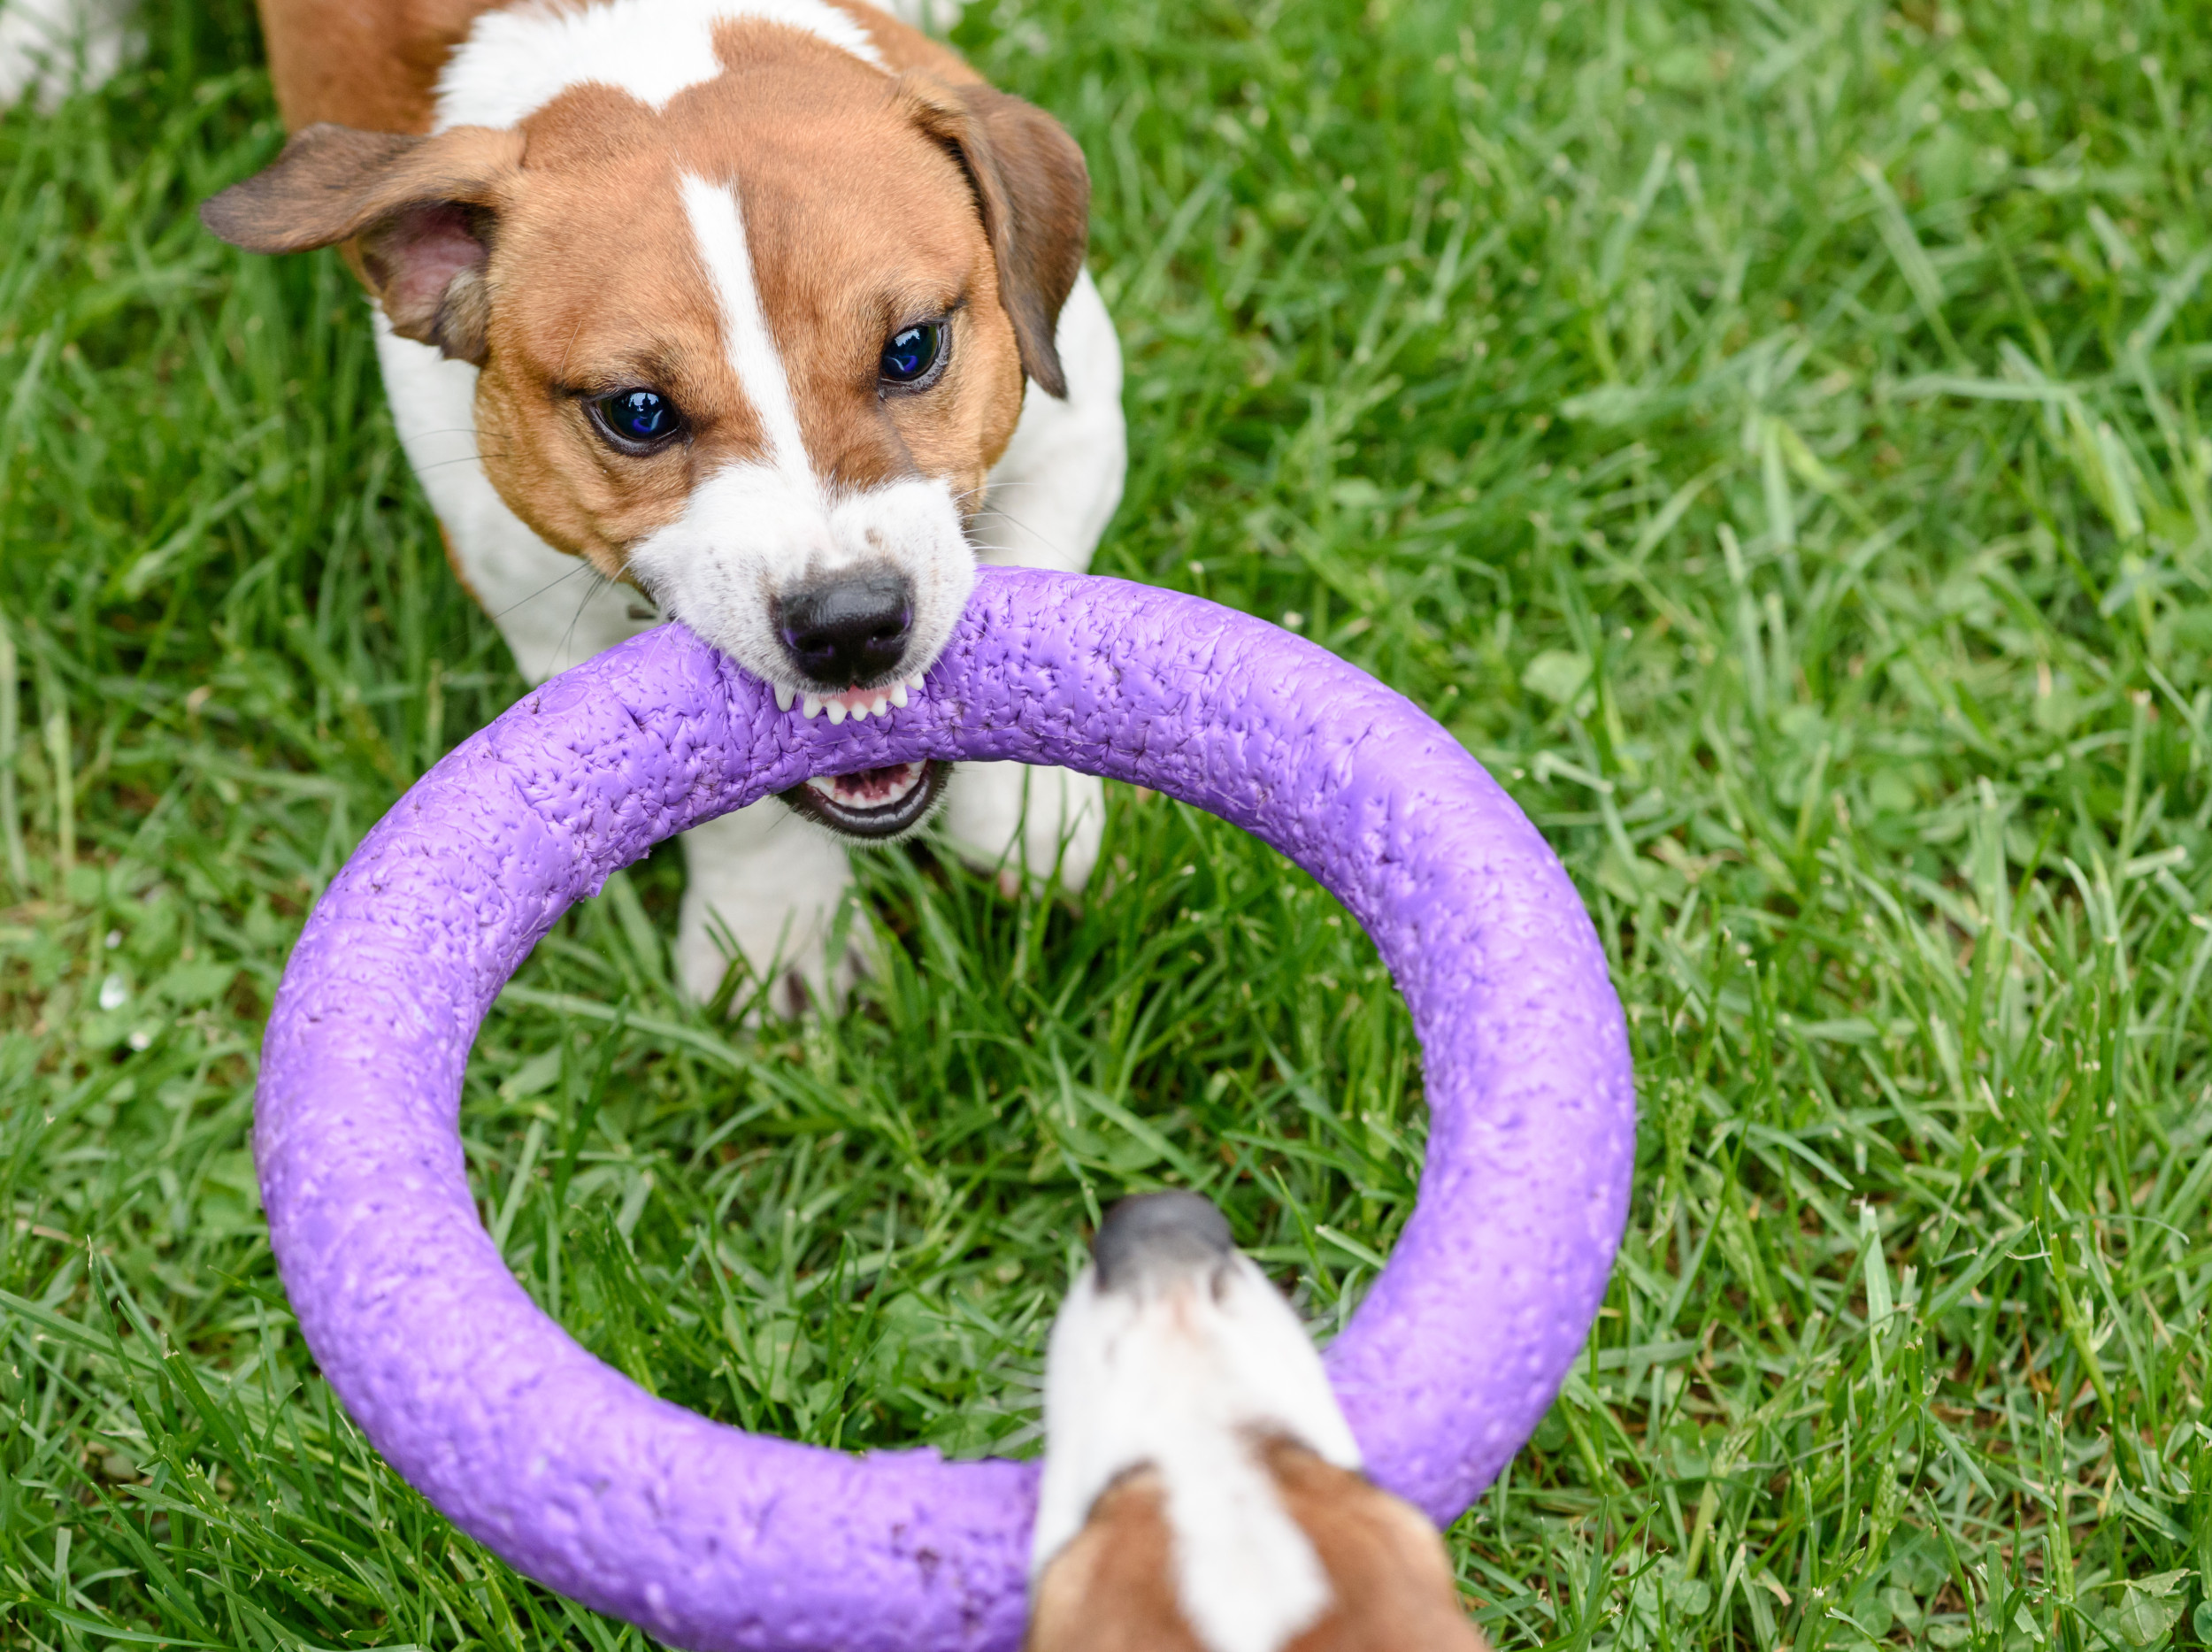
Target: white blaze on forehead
<point x="1182" y="1381"/>
<point x="519" y="59"/>
<point x="759" y="527"/>
<point x="718" y="225"/>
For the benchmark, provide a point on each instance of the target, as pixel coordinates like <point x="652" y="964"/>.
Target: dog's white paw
<point x="1027" y="823"/>
<point x="51" y="47"/>
<point x="764" y="886"/>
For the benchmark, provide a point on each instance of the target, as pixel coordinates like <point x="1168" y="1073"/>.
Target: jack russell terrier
<point x="1201" y="1490"/>
<point x="768" y="316"/>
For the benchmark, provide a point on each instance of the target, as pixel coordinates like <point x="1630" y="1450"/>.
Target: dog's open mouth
<point x="872" y="802"/>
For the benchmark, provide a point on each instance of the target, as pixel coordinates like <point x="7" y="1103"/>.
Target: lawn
<point x="1767" y="431"/>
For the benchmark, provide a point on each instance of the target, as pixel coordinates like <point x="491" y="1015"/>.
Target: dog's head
<point x="754" y="346"/>
<point x="1201" y="1489"/>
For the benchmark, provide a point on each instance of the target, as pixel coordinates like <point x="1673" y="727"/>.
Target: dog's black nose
<point x="845" y="633"/>
<point x="1152" y="1237"/>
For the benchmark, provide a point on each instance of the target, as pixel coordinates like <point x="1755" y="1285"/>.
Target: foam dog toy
<point x="711" y="1538"/>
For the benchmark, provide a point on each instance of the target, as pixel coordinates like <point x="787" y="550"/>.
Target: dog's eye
<point x="912" y="352"/>
<point x="635" y="420"/>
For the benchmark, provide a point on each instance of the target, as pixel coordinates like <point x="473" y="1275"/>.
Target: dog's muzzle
<point x="873" y="804"/>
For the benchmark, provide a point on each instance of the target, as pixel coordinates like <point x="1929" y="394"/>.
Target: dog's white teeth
<point x="898" y="694"/>
<point x="859" y="713"/>
<point x="882" y="706"/>
<point x="915" y="682"/>
<point x="784" y="696"/>
<point x="811" y="707"/>
<point x="836" y="710"/>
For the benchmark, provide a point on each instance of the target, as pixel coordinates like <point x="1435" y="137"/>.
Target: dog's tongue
<point x="870" y="788"/>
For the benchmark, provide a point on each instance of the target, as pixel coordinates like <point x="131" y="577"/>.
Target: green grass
<point x="1769" y="431"/>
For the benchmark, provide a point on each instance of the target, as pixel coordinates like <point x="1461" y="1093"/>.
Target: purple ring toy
<point x="711" y="1538"/>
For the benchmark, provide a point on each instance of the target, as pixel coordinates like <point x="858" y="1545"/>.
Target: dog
<point x="767" y="316"/>
<point x="1201" y="1489"/>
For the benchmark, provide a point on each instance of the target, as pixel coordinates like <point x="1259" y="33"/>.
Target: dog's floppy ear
<point x="1034" y="194"/>
<point x="419" y="211"/>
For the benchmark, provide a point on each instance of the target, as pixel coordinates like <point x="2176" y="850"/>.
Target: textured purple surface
<point x="711" y="1538"/>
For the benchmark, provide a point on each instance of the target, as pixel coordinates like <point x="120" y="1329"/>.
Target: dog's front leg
<point x="1051" y="496"/>
<point x="767" y="886"/>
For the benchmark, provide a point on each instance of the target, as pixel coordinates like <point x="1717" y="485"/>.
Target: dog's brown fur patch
<point x="559" y="256"/>
<point x="371" y="64"/>
<point x="1112" y="1590"/>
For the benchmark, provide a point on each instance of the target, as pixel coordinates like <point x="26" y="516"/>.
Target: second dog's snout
<point x="845" y="633"/>
<point x="1154" y="1237"/>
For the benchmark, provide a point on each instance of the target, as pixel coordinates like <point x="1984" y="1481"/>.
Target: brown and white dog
<point x="1201" y="1491"/>
<point x="770" y="312"/>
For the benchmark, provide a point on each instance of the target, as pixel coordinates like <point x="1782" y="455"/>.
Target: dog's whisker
<point x="1045" y="540"/>
<point x="571" y="345"/>
<point x="581" y="566"/>
<point x="597" y="583"/>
